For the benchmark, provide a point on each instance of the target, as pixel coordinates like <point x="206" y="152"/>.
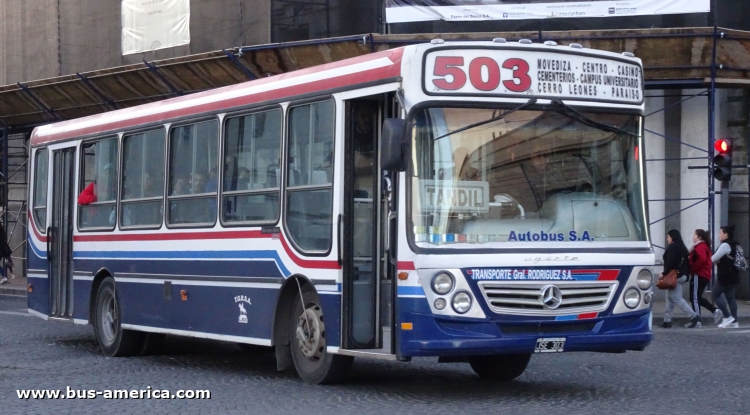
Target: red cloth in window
<point x="88" y="195"/>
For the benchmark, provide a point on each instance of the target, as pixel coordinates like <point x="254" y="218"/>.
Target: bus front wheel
<point x="501" y="368"/>
<point x="307" y="339"/>
<point x="112" y="338"/>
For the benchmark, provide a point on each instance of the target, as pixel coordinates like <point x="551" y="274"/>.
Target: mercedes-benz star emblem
<point x="551" y="297"/>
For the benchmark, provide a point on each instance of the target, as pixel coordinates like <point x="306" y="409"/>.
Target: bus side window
<point x="41" y="169"/>
<point x="99" y="183"/>
<point x="309" y="187"/>
<point x="143" y="179"/>
<point x="252" y="149"/>
<point x="193" y="176"/>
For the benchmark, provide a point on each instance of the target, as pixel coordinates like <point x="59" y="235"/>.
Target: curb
<point x="13" y="292"/>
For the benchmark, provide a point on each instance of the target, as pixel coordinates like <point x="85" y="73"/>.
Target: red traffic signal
<point x="723" y="159"/>
<point x="722" y="145"/>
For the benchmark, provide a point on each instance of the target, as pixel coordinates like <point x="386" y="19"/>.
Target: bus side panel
<point x="231" y="311"/>
<point x="330" y="302"/>
<point x="38" y="278"/>
<point x="81" y="296"/>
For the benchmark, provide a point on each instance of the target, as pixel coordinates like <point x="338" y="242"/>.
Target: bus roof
<point x="378" y="66"/>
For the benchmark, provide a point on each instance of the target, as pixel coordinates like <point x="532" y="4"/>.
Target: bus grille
<point x="528" y="298"/>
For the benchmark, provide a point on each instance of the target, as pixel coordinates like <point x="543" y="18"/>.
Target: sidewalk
<point x="15" y="287"/>
<point x="660" y="304"/>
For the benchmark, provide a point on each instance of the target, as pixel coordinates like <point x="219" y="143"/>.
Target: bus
<point x="477" y="201"/>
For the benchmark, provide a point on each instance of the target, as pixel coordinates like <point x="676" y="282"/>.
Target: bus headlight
<point x="442" y="282"/>
<point x="645" y="279"/>
<point x="461" y="302"/>
<point x="631" y="298"/>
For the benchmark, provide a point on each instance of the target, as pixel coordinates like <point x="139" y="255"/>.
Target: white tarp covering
<point x="154" y="24"/>
<point x="402" y="11"/>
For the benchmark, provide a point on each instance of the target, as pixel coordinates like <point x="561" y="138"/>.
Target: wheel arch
<point x="280" y="329"/>
<point x="99" y="276"/>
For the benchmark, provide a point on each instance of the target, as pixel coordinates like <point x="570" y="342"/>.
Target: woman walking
<point x="700" y="271"/>
<point x="727" y="276"/>
<point x="676" y="258"/>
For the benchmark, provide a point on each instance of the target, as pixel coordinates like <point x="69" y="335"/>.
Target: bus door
<point x="60" y="233"/>
<point x="367" y="292"/>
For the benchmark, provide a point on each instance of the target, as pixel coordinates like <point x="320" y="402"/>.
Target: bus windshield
<point x="538" y="177"/>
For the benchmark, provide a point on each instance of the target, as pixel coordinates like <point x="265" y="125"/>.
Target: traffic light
<point x="723" y="159"/>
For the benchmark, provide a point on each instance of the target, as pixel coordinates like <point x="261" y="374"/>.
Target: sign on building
<point x="402" y="11"/>
<point x="154" y="24"/>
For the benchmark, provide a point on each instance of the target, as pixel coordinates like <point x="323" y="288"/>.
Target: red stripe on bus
<point x="608" y="274"/>
<point x="406" y="266"/>
<point x="306" y="263"/>
<point x="36" y="232"/>
<point x="390" y="71"/>
<point x="181" y="236"/>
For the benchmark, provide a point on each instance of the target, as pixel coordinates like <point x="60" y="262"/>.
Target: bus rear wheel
<point x="112" y="338"/>
<point x="307" y="339"/>
<point x="501" y="368"/>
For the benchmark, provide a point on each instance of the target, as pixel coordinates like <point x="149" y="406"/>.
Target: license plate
<point x="550" y="345"/>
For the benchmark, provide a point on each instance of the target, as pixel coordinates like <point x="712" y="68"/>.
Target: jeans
<point x="674" y="297"/>
<point x="727" y="297"/>
<point x="696" y="295"/>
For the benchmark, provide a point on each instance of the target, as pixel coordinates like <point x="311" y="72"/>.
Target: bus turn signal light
<point x="183" y="293"/>
<point x="407" y="326"/>
<point x="403" y="275"/>
<point x="31" y="288"/>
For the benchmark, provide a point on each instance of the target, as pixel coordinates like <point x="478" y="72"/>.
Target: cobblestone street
<point x="683" y="371"/>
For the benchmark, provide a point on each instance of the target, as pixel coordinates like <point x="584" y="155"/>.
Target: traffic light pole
<point x="724" y="207"/>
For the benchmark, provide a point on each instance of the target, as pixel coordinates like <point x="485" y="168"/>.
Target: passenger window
<point x="41" y="169"/>
<point x="252" y="147"/>
<point x="99" y="183"/>
<point x="193" y="175"/>
<point x="310" y="175"/>
<point x="142" y="180"/>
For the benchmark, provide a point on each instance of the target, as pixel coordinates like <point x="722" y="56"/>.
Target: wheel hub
<point x="311" y="333"/>
<point x="109" y="319"/>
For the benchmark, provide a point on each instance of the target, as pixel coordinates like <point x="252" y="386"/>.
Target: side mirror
<point x="393" y="145"/>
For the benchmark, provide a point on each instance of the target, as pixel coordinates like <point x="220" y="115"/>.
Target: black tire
<point x="311" y="358"/>
<point x="501" y="368"/>
<point x="112" y="339"/>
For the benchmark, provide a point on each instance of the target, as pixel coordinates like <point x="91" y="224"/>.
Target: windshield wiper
<point x="572" y="113"/>
<point x="499" y="117"/>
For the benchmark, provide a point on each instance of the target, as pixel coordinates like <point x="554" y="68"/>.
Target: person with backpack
<point x="729" y="260"/>
<point x="700" y="270"/>
<point x="676" y="258"/>
<point x="5" y="252"/>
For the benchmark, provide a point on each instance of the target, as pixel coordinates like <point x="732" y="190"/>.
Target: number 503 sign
<point x="538" y="74"/>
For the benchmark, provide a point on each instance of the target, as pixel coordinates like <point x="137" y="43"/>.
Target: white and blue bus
<point x="476" y="201"/>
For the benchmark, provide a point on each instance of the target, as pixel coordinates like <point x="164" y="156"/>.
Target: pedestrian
<point x="5" y="252"/>
<point x="727" y="278"/>
<point x="700" y="272"/>
<point x="676" y="258"/>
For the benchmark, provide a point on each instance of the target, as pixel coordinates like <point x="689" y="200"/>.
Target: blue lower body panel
<point x="448" y="336"/>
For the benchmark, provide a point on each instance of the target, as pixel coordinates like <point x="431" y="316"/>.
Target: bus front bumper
<point x="438" y="336"/>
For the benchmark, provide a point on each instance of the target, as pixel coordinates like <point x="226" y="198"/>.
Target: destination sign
<point x="460" y="196"/>
<point x="538" y="74"/>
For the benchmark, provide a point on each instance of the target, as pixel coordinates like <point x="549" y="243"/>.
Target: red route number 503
<point x="453" y="65"/>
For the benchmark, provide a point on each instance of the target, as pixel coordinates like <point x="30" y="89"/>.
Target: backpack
<point x="739" y="259"/>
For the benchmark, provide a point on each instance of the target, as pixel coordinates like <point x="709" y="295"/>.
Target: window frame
<point x="285" y="170"/>
<point x="123" y="136"/>
<point x="80" y="180"/>
<point x="41" y="229"/>
<point x="281" y="180"/>
<point x="167" y="180"/>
